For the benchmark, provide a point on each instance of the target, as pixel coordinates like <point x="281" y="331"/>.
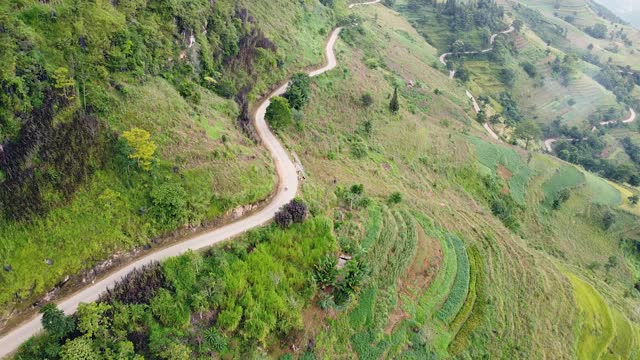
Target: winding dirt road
<point x="492" y="39"/>
<point x="364" y="3"/>
<point x="476" y="108"/>
<point x="452" y="74"/>
<point x="287" y="188"/>
<point x="548" y="143"/>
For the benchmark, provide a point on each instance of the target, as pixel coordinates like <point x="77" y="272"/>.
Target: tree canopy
<point x="279" y="114"/>
<point x="142" y="148"/>
<point x="528" y="131"/>
<point x="299" y="91"/>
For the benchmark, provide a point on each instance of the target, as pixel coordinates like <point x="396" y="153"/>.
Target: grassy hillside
<point x="424" y="238"/>
<point x="76" y="77"/>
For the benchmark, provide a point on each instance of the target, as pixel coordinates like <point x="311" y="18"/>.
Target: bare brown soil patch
<point x="419" y="276"/>
<point x="505" y="174"/>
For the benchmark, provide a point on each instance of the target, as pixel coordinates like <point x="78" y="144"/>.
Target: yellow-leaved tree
<point x="142" y="147"/>
<point x="63" y="82"/>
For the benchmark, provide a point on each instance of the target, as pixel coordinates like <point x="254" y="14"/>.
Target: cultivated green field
<point x="566" y="177"/>
<point x="497" y="157"/>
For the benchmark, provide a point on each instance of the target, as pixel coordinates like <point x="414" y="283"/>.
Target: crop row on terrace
<point x="460" y="289"/>
<point x="596" y="327"/>
<point x="472" y="312"/>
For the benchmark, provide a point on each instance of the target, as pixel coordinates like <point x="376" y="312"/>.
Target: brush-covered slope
<point x="124" y="121"/>
<point x="423" y="239"/>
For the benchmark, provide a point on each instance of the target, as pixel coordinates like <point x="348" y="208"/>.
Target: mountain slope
<point x="424" y="237"/>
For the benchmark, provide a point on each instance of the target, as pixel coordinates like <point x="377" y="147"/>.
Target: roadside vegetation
<point x="137" y="112"/>
<point x="414" y="235"/>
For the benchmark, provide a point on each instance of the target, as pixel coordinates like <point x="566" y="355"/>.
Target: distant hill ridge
<point x="626" y="9"/>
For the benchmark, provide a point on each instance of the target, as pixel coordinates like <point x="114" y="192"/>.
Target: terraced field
<point x="596" y="328"/>
<point x="576" y="9"/>
<point x="460" y="287"/>
<point x="602" y="192"/>
<point x="470" y="315"/>
<point x="582" y="15"/>
<point x="549" y="99"/>
<point x="625" y="193"/>
<point x="497" y="159"/>
<point x="566" y="177"/>
<point x="625" y="342"/>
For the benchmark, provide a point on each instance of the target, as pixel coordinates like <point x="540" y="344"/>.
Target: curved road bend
<point x="287" y="188"/>
<point x="364" y="3"/>
<point x="476" y="108"/>
<point x="492" y="39"/>
<point x="548" y="143"/>
<point x="452" y="73"/>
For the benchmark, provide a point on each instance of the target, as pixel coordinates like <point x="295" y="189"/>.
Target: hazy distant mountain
<point x="628" y="10"/>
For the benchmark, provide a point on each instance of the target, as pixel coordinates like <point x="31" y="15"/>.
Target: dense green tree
<point x="394" y="105"/>
<point x="481" y="116"/>
<point x="508" y="77"/>
<point x="528" y="131"/>
<point x="395" y="198"/>
<point x="560" y="198"/>
<point x="608" y="219"/>
<point x="462" y="74"/>
<point x="169" y="204"/>
<point x="366" y="100"/>
<point x="169" y="311"/>
<point x="518" y="24"/>
<point x="55" y="322"/>
<point x="279" y="114"/>
<point x="79" y="349"/>
<point x="566" y="68"/>
<point x="299" y="91"/>
<point x="530" y="69"/>
<point x="510" y="108"/>
<point x="458" y="46"/>
<point x="229" y="319"/>
<point x="598" y="31"/>
<point x="93" y="320"/>
<point x="176" y="351"/>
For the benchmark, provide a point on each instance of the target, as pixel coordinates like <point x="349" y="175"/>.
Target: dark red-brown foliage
<point x="298" y="210"/>
<point x="243" y="62"/>
<point x="283" y="218"/>
<point x="244" y="119"/>
<point x="47" y="159"/>
<point x="294" y="211"/>
<point x="138" y="287"/>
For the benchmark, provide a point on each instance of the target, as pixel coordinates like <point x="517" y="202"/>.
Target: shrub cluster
<point x="294" y="212"/>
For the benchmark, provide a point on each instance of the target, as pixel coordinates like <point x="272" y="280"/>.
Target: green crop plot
<point x="471" y="314"/>
<point x="601" y="191"/>
<point x="625" y="338"/>
<point x="596" y="326"/>
<point x="460" y="287"/>
<point x="566" y="177"/>
<point x="439" y="288"/>
<point x="492" y="156"/>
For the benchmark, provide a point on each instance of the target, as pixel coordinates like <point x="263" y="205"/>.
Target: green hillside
<point x="415" y="234"/>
